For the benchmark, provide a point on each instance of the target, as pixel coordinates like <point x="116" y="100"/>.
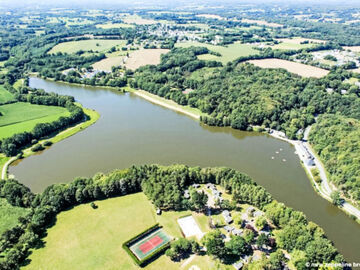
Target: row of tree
<point x="15" y="243"/>
<point x="12" y="146"/>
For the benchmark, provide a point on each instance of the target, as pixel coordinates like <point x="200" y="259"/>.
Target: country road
<point x="324" y="189"/>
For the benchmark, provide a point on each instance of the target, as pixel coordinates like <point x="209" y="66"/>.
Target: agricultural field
<point x="357" y="70"/>
<point x="136" y="19"/>
<point x="144" y="57"/>
<point x="5" y="96"/>
<point x="9" y="215"/>
<point x="352" y="48"/>
<point x="19" y="117"/>
<point x="210" y="16"/>
<point x="293" y="67"/>
<point x="295" y="43"/>
<point x="97" y="45"/>
<point x="228" y="53"/>
<point x="98" y="244"/>
<point x="264" y="23"/>
<point x="114" y="25"/>
<point x="107" y="63"/>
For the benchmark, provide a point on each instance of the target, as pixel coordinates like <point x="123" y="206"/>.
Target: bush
<point x="47" y="143"/>
<point x="37" y="147"/>
<point x="93" y="205"/>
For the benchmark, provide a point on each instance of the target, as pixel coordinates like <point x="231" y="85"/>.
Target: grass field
<point x="19" y="117"/>
<point x="144" y="57"/>
<point x="352" y="48"/>
<point x="99" y="45"/>
<point x="114" y="25"/>
<point x="86" y="238"/>
<point x="291" y="46"/>
<point x="80" y="244"/>
<point x="293" y="67"/>
<point x="9" y="215"/>
<point x="229" y="53"/>
<point x="5" y="95"/>
<point x="107" y="63"/>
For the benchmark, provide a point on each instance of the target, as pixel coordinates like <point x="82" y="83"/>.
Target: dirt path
<point x="170" y="106"/>
<point x="188" y="260"/>
<point x="5" y="167"/>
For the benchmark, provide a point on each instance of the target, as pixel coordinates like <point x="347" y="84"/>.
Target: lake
<point x="132" y="130"/>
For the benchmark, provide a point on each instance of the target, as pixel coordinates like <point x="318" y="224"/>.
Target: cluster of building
<point x="215" y="192"/>
<point x="308" y="157"/>
<point x="85" y="74"/>
<point x="342" y="57"/>
<point x="187" y="192"/>
<point x="165" y="30"/>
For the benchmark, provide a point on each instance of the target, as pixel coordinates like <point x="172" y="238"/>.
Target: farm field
<point x="99" y="45"/>
<point x="136" y="19"/>
<point x="229" y="53"/>
<point x="297" y="68"/>
<point x="144" y="57"/>
<point x="352" y="48"/>
<point x="5" y="95"/>
<point x="107" y="63"/>
<point x="19" y="117"/>
<point x="9" y="215"/>
<point x="98" y="244"/>
<point x="114" y="25"/>
<point x="296" y="43"/>
<point x="264" y="23"/>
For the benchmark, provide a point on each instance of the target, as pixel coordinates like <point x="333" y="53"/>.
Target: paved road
<point x="326" y="189"/>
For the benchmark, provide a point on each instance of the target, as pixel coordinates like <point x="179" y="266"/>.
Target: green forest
<point x="337" y="140"/>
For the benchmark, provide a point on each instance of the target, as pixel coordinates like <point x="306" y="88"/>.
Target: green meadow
<point x="228" y="53"/>
<point x="96" y="45"/>
<point x="19" y="117"/>
<point x="92" y="238"/>
<point x="9" y="215"/>
<point x="5" y="95"/>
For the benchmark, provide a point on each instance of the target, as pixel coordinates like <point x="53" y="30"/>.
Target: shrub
<point x="47" y="143"/>
<point x="37" y="147"/>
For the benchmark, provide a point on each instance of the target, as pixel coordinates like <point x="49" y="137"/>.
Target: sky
<point x="109" y="3"/>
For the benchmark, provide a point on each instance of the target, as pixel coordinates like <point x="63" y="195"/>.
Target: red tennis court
<point x="149" y="243"/>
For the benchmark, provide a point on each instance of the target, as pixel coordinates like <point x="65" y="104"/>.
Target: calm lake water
<point x="134" y="131"/>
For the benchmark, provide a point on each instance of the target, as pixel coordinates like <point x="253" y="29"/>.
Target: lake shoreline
<point x="349" y="209"/>
<point x="70" y="131"/>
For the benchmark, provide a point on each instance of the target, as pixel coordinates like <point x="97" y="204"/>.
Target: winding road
<point x="324" y="189"/>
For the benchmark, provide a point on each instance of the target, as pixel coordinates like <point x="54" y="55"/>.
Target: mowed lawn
<point x="86" y="238"/>
<point x="228" y="53"/>
<point x="5" y="95"/>
<point x="99" y="45"/>
<point x="19" y="117"/>
<point x="9" y="215"/>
